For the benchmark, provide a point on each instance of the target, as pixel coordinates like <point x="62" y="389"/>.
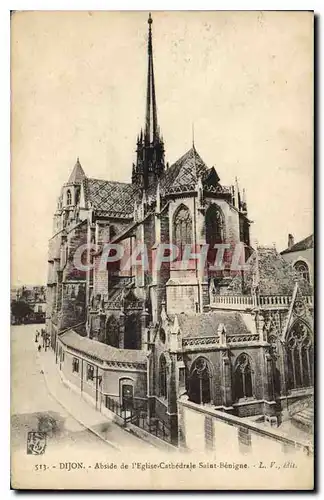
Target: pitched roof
<point x="101" y="351"/>
<point x="110" y="197"/>
<point x="304" y="244"/>
<point x="272" y="274"/>
<point x="206" y="324"/>
<point x="77" y="174"/>
<point x="183" y="173"/>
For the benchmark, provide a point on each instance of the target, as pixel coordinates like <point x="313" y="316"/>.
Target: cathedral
<point x="131" y="335"/>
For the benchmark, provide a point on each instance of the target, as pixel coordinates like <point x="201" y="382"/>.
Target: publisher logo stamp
<point x="36" y="443"/>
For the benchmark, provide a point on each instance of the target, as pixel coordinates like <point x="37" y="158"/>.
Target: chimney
<point x="291" y="241"/>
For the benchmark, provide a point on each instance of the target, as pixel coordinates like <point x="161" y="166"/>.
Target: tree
<point x="20" y="310"/>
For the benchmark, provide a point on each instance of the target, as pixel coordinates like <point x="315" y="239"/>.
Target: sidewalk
<point x="78" y="408"/>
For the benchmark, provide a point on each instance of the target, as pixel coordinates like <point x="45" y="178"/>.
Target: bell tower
<point x="69" y="198"/>
<point x="150" y="147"/>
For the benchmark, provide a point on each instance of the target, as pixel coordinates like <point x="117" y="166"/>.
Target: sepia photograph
<point x="162" y="250"/>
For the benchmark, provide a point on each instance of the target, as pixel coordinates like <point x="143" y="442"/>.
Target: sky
<point x="78" y="82"/>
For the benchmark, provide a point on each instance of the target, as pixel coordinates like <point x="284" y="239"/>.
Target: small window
<point x="75" y="365"/>
<point x="68" y="197"/>
<point x="90" y="372"/>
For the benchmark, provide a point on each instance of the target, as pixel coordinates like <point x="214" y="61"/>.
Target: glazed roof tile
<point x="110" y="197"/>
<point x="184" y="172"/>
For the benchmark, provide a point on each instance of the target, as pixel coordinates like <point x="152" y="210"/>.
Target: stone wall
<point x="231" y="437"/>
<point x="182" y="297"/>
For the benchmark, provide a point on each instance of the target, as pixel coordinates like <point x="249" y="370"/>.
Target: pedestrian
<point x="39" y="348"/>
<point x="36" y="338"/>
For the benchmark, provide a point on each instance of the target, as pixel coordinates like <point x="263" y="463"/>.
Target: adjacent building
<point x="301" y="256"/>
<point x="35" y="298"/>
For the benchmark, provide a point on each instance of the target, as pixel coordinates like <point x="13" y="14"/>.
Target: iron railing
<point x="135" y="412"/>
<point x="117" y="408"/>
<point x="154" y="426"/>
<point x="128" y="410"/>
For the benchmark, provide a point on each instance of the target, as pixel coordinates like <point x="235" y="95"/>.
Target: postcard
<point x="162" y="272"/>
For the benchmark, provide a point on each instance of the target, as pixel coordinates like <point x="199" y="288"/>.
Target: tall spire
<point x="149" y="147"/>
<point x="151" y="127"/>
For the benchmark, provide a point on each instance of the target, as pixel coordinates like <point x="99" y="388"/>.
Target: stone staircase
<point x="302" y="414"/>
<point x="304" y="418"/>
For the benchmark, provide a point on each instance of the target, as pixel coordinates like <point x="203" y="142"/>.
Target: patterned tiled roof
<point x="206" y="324"/>
<point x="304" y="244"/>
<point x="101" y="351"/>
<point x="117" y="198"/>
<point x="273" y="274"/>
<point x="110" y="197"/>
<point x="183" y="173"/>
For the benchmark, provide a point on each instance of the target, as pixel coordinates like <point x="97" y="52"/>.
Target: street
<point x="41" y="402"/>
<point x="34" y="408"/>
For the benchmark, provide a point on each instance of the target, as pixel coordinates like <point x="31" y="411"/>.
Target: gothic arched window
<point x="68" y="197"/>
<point x="77" y="196"/>
<point x="243" y="387"/>
<point x="214" y="221"/>
<point x="182" y="228"/>
<point x="302" y="269"/>
<point x="299" y="345"/>
<point x="199" y="382"/>
<point x="162" y="376"/>
<point x="112" y="332"/>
